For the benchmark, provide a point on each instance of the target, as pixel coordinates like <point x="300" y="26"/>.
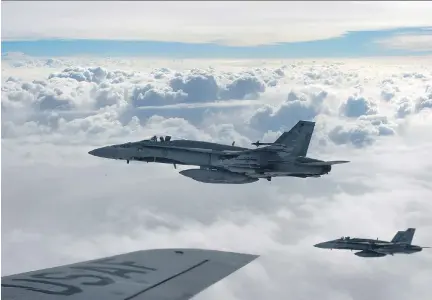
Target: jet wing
<point x="193" y="149"/>
<point x="274" y="148"/>
<point x="159" y="274"/>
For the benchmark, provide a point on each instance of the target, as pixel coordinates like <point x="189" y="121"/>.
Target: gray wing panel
<point x="168" y="274"/>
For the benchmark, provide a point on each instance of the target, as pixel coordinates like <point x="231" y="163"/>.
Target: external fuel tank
<point x="216" y="176"/>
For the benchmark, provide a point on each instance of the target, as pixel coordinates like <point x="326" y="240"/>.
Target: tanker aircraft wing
<point x="169" y="274"/>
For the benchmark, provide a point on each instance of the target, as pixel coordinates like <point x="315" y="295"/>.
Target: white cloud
<point x="363" y="131"/>
<point x="356" y="106"/>
<point x="411" y="42"/>
<point x="302" y="104"/>
<point x="226" y="23"/>
<point x="62" y="205"/>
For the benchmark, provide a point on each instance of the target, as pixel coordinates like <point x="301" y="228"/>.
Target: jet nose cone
<point x="96" y="152"/>
<point x="107" y="152"/>
<point x="321" y="245"/>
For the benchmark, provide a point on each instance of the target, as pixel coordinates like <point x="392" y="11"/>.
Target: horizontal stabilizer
<point x="325" y="163"/>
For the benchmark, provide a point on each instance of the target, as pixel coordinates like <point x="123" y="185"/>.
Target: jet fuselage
<point x="286" y="156"/>
<point x="370" y="247"/>
<point x="211" y="155"/>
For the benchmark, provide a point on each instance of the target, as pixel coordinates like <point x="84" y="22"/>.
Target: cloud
<point x="198" y="86"/>
<point x="357" y="106"/>
<point x="95" y="74"/>
<point x="89" y="89"/>
<point x="246" y="86"/>
<point x="407" y="106"/>
<point x="363" y="131"/>
<point x="263" y="23"/>
<point x="61" y="205"/>
<point x="305" y="104"/>
<point x="150" y="95"/>
<point x="425" y="102"/>
<point x="412" y="42"/>
<point x="389" y="92"/>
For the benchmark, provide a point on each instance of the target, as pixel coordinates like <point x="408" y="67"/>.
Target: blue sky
<point x="352" y="44"/>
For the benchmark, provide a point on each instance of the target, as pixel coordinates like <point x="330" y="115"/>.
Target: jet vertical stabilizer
<point x="405" y="237"/>
<point x="298" y="138"/>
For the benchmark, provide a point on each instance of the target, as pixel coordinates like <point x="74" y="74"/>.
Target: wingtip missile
<point x="258" y="143"/>
<point x="325" y="163"/>
<point x="336" y="162"/>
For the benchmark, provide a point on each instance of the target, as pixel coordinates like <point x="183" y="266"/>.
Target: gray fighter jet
<point x="228" y="163"/>
<point x="400" y="244"/>
<point x="169" y="274"/>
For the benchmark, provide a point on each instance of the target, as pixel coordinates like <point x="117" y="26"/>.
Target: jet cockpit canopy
<point x="163" y="138"/>
<point x="155" y="138"/>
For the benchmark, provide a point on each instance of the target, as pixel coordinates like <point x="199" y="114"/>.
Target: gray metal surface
<point x="215" y="176"/>
<point x="159" y="274"/>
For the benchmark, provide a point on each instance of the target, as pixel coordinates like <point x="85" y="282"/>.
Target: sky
<point x="61" y="205"/>
<point x="218" y="29"/>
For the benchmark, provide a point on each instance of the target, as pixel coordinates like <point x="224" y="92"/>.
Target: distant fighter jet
<point x="400" y="244"/>
<point x="228" y="163"/>
<point x="169" y="274"/>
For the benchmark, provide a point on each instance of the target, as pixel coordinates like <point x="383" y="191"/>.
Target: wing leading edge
<point x="168" y="274"/>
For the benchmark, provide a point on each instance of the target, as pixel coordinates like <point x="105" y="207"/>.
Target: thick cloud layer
<point x="61" y="205"/>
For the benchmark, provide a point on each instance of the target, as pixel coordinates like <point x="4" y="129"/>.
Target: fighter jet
<point x="219" y="163"/>
<point x="400" y="244"/>
<point x="169" y="274"/>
